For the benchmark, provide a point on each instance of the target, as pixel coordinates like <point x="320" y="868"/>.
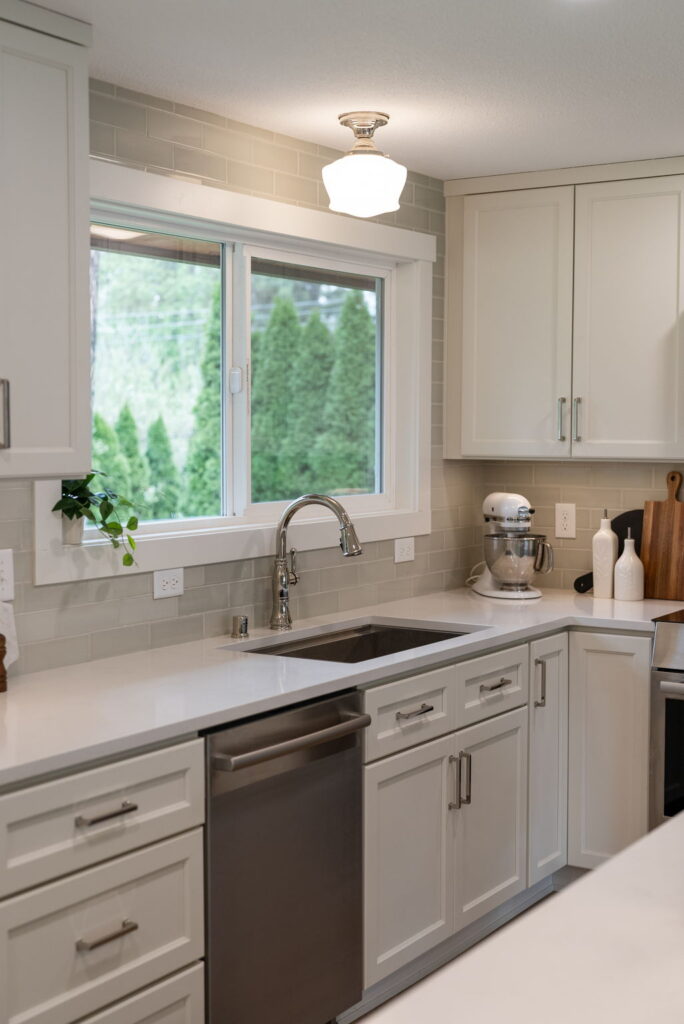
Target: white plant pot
<point x="72" y="530"/>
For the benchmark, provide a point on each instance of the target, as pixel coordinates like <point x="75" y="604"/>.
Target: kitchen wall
<point x="68" y="623"/>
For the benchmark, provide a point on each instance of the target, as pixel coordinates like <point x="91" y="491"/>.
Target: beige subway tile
<point x="330" y="154"/>
<point x="227" y="143"/>
<point x="292" y="187"/>
<point x="55" y="653"/>
<point x="346" y="574"/>
<point x="176" y="631"/>
<point x="15" y="503"/>
<point x="590" y="497"/>
<point x="201" y="115"/>
<point x="357" y="597"/>
<point x="430" y="542"/>
<point x="279" y="158"/>
<point x="102" y="139"/>
<point x="225" y="572"/>
<point x="437" y="223"/>
<point x="148" y="609"/>
<point x="110" y="642"/>
<point x="128" y="584"/>
<point x="244" y="592"/>
<point x="143" y="150"/>
<point x="394" y="590"/>
<point x="308" y="582"/>
<point x="117" y="112"/>
<point x="250" y="129"/>
<point x="12" y="535"/>
<point x="173" y="128"/>
<point x="413" y="217"/>
<point x="192" y="161"/>
<point x="203" y="599"/>
<point x="416" y="567"/>
<point x="433" y="199"/>
<point x="311" y="166"/>
<point x="257" y="179"/>
<point x="143" y="98"/>
<point x="635" y="498"/>
<point x="195" y="576"/>
<point x="427" y="584"/>
<point x="220" y="623"/>
<point x="375" y="571"/>
<point x="292" y="143"/>
<point x="317" y="604"/>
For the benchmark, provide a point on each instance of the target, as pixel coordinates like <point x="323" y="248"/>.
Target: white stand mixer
<point x="512" y="554"/>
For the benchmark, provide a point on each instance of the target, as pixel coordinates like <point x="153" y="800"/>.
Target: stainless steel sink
<point x="358" y="643"/>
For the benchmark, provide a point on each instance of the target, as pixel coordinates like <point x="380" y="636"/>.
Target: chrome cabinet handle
<point x="127" y="807"/>
<point x="5" y="391"/>
<point x="541" y="703"/>
<point x="424" y="709"/>
<point x="454" y="805"/>
<point x="575" y="419"/>
<point x="493" y="687"/>
<point x="468" y="758"/>
<point x="85" y="945"/>
<point x="560" y="436"/>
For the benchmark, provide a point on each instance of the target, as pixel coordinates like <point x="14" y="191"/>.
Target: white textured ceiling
<point x="472" y="86"/>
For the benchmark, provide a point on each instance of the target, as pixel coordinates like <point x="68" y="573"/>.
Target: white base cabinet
<point x="609" y="735"/>
<point x="548" y="774"/>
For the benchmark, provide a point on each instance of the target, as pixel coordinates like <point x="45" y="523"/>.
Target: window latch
<point x="235" y="380"/>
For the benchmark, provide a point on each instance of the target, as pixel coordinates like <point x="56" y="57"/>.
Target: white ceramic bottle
<point x="629" y="573"/>
<point x="604" y="549"/>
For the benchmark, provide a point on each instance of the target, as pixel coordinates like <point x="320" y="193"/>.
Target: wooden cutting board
<point x="662" y="544"/>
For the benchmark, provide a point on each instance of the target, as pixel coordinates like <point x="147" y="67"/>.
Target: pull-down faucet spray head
<point x="349" y="542"/>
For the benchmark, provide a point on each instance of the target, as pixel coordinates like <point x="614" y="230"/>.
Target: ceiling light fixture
<point x="364" y="182"/>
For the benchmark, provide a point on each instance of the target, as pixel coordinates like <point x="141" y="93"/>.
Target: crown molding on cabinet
<point x="589" y="174"/>
<point x="40" y="19"/>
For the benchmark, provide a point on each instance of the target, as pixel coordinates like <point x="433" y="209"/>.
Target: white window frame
<point x="290" y="234"/>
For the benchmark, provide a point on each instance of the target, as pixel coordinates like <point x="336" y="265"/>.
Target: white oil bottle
<point x="629" y="573"/>
<point x="604" y="549"/>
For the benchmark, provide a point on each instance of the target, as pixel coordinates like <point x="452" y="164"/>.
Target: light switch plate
<point x="404" y="549"/>
<point x="7" y="575"/>
<point x="168" y="583"/>
<point x="565" y="520"/>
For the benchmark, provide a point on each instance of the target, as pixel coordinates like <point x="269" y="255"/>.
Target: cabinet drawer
<point x="178" y="1000"/>
<point x="53" y="829"/>
<point x="409" y="711"/>
<point x="490" y="685"/>
<point x="59" y="959"/>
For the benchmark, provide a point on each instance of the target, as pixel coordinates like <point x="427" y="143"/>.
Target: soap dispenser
<point x="629" y="573"/>
<point x="604" y="549"/>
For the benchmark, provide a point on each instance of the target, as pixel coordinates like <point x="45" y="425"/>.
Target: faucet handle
<point x="294" y="578"/>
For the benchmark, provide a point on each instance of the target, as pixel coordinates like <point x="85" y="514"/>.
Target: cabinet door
<point x="608" y="757"/>
<point x="517" y="323"/>
<point x="44" y="198"/>
<point x="490" y="826"/>
<point x="548" y="775"/>
<point x="628" y="368"/>
<point x="408" y="892"/>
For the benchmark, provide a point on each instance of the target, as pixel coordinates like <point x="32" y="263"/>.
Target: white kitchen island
<point x="608" y="949"/>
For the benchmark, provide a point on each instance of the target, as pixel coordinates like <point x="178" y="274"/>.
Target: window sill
<point x="57" y="562"/>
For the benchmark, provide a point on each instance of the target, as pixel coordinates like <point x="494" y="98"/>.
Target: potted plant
<point x="108" y="511"/>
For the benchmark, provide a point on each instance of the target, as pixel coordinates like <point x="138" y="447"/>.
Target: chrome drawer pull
<point x="576" y="402"/>
<point x="560" y="436"/>
<point x="468" y="758"/>
<point x="85" y="945"/>
<point x="126" y="808"/>
<point x="493" y="687"/>
<point x="541" y="703"/>
<point x="6" y="423"/>
<point x="454" y="805"/>
<point x="424" y="709"/>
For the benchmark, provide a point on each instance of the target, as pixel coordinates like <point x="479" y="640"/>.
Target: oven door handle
<point x="671" y="688"/>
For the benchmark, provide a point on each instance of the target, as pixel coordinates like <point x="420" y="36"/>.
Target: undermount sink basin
<point x="358" y="643"/>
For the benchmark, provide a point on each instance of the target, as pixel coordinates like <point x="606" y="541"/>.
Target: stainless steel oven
<point x="666" y="796"/>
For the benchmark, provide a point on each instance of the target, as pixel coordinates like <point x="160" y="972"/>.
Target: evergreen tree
<point x="311" y="373"/>
<point x="202" y="473"/>
<point x="344" y="456"/>
<point x="165" y="481"/>
<point x="273" y="399"/>
<point x="108" y="457"/>
<point x="127" y="433"/>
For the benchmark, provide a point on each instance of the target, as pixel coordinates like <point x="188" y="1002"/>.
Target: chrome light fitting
<point x="364" y="182"/>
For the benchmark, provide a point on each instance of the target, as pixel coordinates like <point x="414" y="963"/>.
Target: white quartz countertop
<point x="53" y="720"/>
<point x="608" y="948"/>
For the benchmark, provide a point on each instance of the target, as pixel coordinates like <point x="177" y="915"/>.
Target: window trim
<point x="215" y="214"/>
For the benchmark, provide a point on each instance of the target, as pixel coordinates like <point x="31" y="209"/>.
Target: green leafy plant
<point x="108" y="511"/>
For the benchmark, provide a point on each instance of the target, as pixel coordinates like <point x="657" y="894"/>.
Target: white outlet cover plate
<point x="565" y="520"/>
<point x="6" y="575"/>
<point x="168" y="583"/>
<point x="404" y="549"/>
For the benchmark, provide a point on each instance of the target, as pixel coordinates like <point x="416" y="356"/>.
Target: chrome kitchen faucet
<point x="285" y="575"/>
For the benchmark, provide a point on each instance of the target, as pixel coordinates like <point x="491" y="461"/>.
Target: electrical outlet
<point x="6" y="575"/>
<point x="565" y="520"/>
<point x="168" y="583"/>
<point x="404" y="550"/>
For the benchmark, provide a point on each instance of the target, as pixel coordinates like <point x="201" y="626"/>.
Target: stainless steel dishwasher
<point x="284" y="866"/>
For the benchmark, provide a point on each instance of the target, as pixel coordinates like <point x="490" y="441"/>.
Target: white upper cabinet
<point x="628" y="370"/>
<point x="44" y="202"/>
<point x="517" y="323"/>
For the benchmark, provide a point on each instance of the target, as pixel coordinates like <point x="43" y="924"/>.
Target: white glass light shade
<point x="364" y="184"/>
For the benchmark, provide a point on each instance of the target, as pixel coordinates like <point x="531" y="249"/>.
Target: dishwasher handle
<point x="233" y="762"/>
